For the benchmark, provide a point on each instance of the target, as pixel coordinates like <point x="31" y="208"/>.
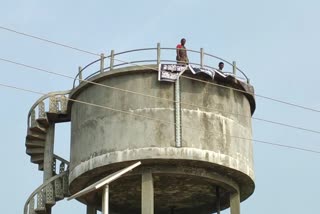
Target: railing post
<point x="158" y="54"/>
<point x="101" y="62"/>
<point x="201" y="57"/>
<point x="111" y="60"/>
<point x="234" y="66"/>
<point x="80" y="74"/>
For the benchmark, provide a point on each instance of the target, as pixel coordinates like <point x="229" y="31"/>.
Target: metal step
<point x="37" y="159"/>
<point x="35" y="135"/>
<point x="40" y="211"/>
<point x="43" y="122"/>
<point x="38" y="129"/>
<point x="32" y="151"/>
<point x="34" y="144"/>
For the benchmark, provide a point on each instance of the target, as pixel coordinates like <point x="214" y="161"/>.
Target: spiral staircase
<point x="43" y="115"/>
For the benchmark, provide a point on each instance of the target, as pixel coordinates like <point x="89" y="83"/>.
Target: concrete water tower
<point x="188" y="125"/>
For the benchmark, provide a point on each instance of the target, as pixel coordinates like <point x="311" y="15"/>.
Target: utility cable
<point x="91" y="53"/>
<point x="163" y="121"/>
<point x="49" y="41"/>
<point x="159" y="98"/>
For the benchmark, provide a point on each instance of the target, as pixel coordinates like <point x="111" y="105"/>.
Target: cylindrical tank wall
<point x="127" y="127"/>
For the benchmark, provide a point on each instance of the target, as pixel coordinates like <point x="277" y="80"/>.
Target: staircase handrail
<point x="41" y="99"/>
<point x="41" y="187"/>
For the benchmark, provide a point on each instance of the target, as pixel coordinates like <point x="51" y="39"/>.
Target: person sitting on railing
<point x="182" y="57"/>
<point x="221" y="65"/>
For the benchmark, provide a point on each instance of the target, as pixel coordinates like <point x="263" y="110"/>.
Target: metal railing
<point x="55" y="102"/>
<point x="38" y="195"/>
<point x="205" y="60"/>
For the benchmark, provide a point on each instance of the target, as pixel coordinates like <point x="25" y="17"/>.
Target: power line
<point x="160" y="98"/>
<point x="257" y="95"/>
<point x="49" y="41"/>
<point x="162" y="121"/>
<point x="91" y="53"/>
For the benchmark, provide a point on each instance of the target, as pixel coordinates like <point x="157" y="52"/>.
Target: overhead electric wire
<point x="92" y="53"/>
<point x="95" y="54"/>
<point x="162" y="121"/>
<point x="159" y="98"/>
<point x="49" y="41"/>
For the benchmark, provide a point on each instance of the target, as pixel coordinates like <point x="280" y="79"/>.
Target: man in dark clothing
<point x="182" y="57"/>
<point x="221" y="65"/>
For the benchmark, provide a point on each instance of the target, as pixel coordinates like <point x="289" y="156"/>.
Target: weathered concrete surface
<point x="103" y="140"/>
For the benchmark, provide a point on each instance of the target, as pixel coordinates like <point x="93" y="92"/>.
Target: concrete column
<point x="105" y="199"/>
<point x="91" y="209"/>
<point x="48" y="153"/>
<point x="235" y="203"/>
<point x="218" y="199"/>
<point x="147" y="197"/>
<point x="48" y="166"/>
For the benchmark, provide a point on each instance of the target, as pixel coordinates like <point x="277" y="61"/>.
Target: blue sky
<point x="276" y="43"/>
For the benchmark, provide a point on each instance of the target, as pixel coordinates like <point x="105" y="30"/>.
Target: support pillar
<point x="235" y="203"/>
<point x="48" y="153"/>
<point x="48" y="167"/>
<point x="105" y="199"/>
<point x="147" y="191"/>
<point x="91" y="209"/>
<point x="218" y="199"/>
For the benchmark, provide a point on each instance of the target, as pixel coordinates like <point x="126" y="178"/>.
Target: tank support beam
<point x="147" y="191"/>
<point x="218" y="199"/>
<point x="91" y="209"/>
<point x="235" y="203"/>
<point x="105" y="199"/>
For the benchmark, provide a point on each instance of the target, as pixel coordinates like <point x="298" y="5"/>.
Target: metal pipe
<point x="177" y="112"/>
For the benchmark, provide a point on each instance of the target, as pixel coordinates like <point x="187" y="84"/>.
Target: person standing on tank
<point x="182" y="57"/>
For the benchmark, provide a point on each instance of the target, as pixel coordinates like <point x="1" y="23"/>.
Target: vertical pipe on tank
<point x="177" y="112"/>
